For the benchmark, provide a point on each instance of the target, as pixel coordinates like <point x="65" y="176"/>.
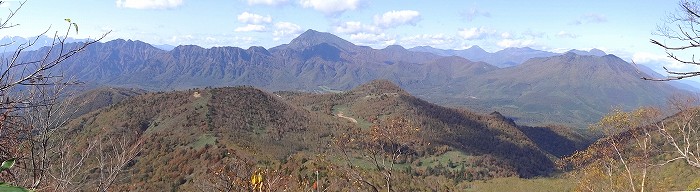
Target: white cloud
<point x="285" y="30"/>
<point x="505" y="43"/>
<point x="267" y="2"/>
<point x="352" y="27"/>
<point x="434" y="40"/>
<point x="506" y="35"/>
<point x="149" y="4"/>
<point x="477" y="33"/>
<point x="251" y="18"/>
<point x="396" y="18"/>
<point x="330" y="7"/>
<point x="564" y="34"/>
<point x="207" y="40"/>
<point x="181" y="39"/>
<point x="645" y="57"/>
<point x="349" y="27"/>
<point x="250" y="28"/>
<point x="374" y="40"/>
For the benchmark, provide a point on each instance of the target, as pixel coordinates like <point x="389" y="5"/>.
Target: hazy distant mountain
<point x="474" y="53"/>
<point x="594" y="52"/>
<point x="504" y="58"/>
<point x="12" y="43"/>
<point x="514" y="56"/>
<point x="570" y="88"/>
<point x="165" y="47"/>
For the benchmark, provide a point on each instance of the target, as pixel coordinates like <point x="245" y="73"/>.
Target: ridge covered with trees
<point x="188" y="137"/>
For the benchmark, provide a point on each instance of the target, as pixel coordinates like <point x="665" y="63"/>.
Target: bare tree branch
<point x="685" y="35"/>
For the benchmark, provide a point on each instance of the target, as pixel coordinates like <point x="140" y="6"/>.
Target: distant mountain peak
<point x="132" y="45"/>
<point x="597" y="52"/>
<point x="395" y="47"/>
<point x="593" y="52"/>
<point x="119" y="41"/>
<point x="258" y="49"/>
<point x="476" y="47"/>
<point x="312" y="37"/>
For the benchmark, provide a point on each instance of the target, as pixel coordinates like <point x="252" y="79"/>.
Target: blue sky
<point x="621" y="27"/>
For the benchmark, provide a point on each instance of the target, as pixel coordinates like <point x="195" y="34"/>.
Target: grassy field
<point x="204" y="140"/>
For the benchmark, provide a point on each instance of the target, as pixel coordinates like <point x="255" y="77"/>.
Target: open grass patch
<point x="452" y="160"/>
<point x="203" y="140"/>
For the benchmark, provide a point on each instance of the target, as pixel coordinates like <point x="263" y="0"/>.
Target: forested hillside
<point x="188" y="137"/>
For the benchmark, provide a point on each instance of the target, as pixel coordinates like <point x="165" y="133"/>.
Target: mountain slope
<point x="475" y="136"/>
<point x="563" y="89"/>
<point x="188" y="134"/>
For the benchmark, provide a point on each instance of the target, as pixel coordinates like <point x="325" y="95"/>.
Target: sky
<point x="620" y="27"/>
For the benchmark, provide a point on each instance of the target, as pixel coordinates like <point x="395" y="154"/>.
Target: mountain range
<point x="573" y="88"/>
<point x="568" y="87"/>
<point x="504" y="58"/>
<point x="11" y="43"/>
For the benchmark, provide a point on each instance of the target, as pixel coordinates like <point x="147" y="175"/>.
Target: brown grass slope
<point x="189" y="134"/>
<point x="459" y="130"/>
<point x="186" y="134"/>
